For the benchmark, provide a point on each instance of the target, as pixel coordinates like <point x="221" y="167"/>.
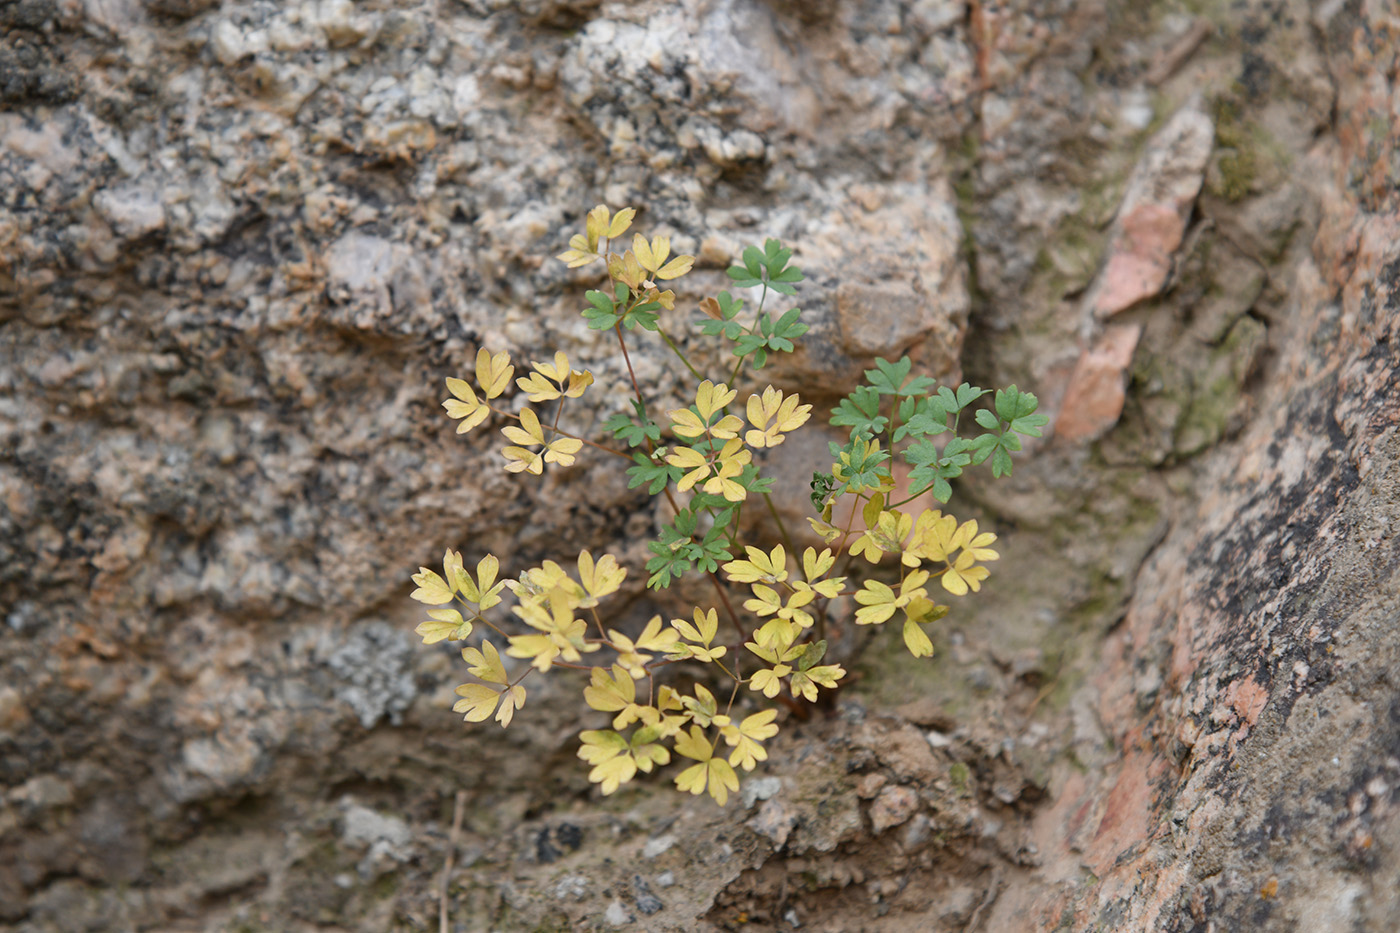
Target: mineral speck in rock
<point x="618" y="915"/>
<point x="647" y="902"/>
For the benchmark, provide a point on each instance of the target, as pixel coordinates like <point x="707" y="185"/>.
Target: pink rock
<point x="893" y="806"/>
<point x="1142" y="258"/>
<point x="1152" y="218"/>
<point x="1094" y="398"/>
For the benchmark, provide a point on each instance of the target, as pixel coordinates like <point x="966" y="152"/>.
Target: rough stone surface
<point x="242" y="243"/>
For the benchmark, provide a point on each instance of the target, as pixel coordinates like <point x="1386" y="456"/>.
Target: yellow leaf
<point x="578" y="381"/>
<point x="675" y="268"/>
<point x="692" y="780"/>
<point x="485" y="663"/>
<point x="537" y="388"/>
<point x="777" y="633"/>
<point x="493" y="372"/>
<point x="465" y="406"/>
<point x="520" y="460"/>
<point x="485" y="590"/>
<point x="804" y="683"/>
<point x="769" y="681"/>
<point x="652" y="255"/>
<point x="600" y="578"/>
<point x="443" y="624"/>
<point x="432" y="589"/>
<point x="710" y="398"/>
<point x="626" y="269"/>
<point x="964" y="575"/>
<point x="784" y="413"/>
<point x="726" y="427"/>
<point x="452" y="570"/>
<point x="694" y="744"/>
<point x="746" y="737"/>
<point x="918" y="642"/>
<point x="621" y="222"/>
<point x="600" y="745"/>
<point x="702" y="706"/>
<point x="615" y="693"/>
<point x="529" y="431"/>
<point x="540" y="649"/>
<point x="512" y="699"/>
<point x="770" y="567"/>
<point x="825" y="531"/>
<point x="685" y="423"/>
<point x="977" y="545"/>
<point x="613" y="773"/>
<point x="596" y="226"/>
<point x="478" y="702"/>
<point x="562" y="450"/>
<point x="631" y="654"/>
<point x="690" y="459"/>
<point x="576" y="258"/>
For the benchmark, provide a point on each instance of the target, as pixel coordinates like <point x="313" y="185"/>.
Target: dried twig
<point x="459" y="809"/>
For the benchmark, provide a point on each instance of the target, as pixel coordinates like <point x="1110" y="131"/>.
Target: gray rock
<point x="374" y="665"/>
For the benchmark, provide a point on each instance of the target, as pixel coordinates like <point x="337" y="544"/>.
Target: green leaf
<point x="1012" y="403"/>
<point x="634" y="431"/>
<point x="601" y="313"/>
<point x="956" y="402"/>
<point x="643" y="316"/>
<point x="676" y="551"/>
<point x="665" y="566"/>
<point x="860" y="411"/>
<point x="987" y="420"/>
<point x="930" y="417"/>
<point x="751" y="480"/>
<point x="861" y="463"/>
<point x="823" y="484"/>
<point x="741" y="277"/>
<point x="657" y="473"/>
<point x="890" y="378"/>
<point x="1001" y="462"/>
<point x="1030" y="425"/>
<point x="932" y="470"/>
<point x="776" y="257"/>
<point x="983" y="445"/>
<point x="753" y="261"/>
<point x="812" y="655"/>
<point x="768" y="266"/>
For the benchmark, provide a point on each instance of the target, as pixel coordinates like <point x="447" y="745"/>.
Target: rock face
<point x="241" y="244"/>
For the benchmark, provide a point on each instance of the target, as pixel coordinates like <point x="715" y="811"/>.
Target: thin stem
<point x="491" y="625"/>
<point x="757" y="316"/>
<point x="617" y="329"/>
<point x="558" y="410"/>
<point x="732" y="694"/>
<point x="850" y="523"/>
<point x="459" y="807"/>
<point x="728" y="606"/>
<point x="782" y="531"/>
<point x="677" y="350"/>
<point x="720" y="664"/>
<point x="911" y="498"/>
<point x="611" y="450"/>
<point x="845" y="567"/>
